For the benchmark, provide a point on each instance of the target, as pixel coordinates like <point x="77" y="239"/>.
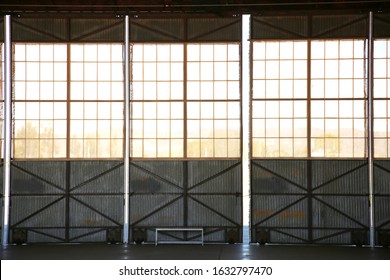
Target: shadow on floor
<point x="190" y="252"/>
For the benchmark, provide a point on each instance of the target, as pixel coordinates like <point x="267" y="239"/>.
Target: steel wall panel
<point x="215" y="210"/>
<point x="340" y="26"/>
<point x="2" y="198"/>
<point x="96" y="211"/>
<point x="279" y="27"/>
<point x="320" y="26"/>
<point x="87" y="235"/>
<point x="35" y="177"/>
<point x="156" y="210"/>
<point x="39" y="29"/>
<point x="169" y="171"/>
<point x="214" y="177"/>
<point x="109" y="181"/>
<point x="279" y="176"/>
<point x="382" y="25"/>
<point x="382" y="177"/>
<point x="330" y="236"/>
<point x="201" y="170"/>
<point x="332" y="204"/>
<point x="1" y="30"/>
<point x="289" y="236"/>
<point x="37" y="211"/>
<point x="201" y="193"/>
<point x="46" y="235"/>
<point x="340" y="212"/>
<point x="382" y="213"/>
<point x="41" y="191"/>
<point x="85" y="171"/>
<point x="96" y="30"/>
<point x="157" y="30"/>
<point x="382" y="197"/>
<point x="214" y="29"/>
<point x="279" y="211"/>
<point x="332" y="173"/>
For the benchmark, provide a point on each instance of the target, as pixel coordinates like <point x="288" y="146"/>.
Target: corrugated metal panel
<point x="36" y="177"/>
<point x="382" y="177"/>
<point x="354" y="207"/>
<point x="220" y="210"/>
<point x="83" y="171"/>
<point x="156" y="210"/>
<point x="157" y="30"/>
<point x="382" y="192"/>
<point x="97" y="211"/>
<point x="215" y="177"/>
<point x="201" y="170"/>
<point x="214" y="29"/>
<point x="87" y="235"/>
<point x="288" y="236"/>
<point x="39" y="29"/>
<point x="278" y="27"/>
<point x="331" y="236"/>
<point x="159" y="198"/>
<point x="1" y="192"/>
<point x="382" y="25"/>
<point x="1" y="30"/>
<point x="171" y="171"/>
<point x="96" y="30"/>
<point x="339" y="26"/>
<point x="1" y="178"/>
<point x="110" y="181"/>
<point x="24" y="206"/>
<point x="274" y="211"/>
<point x="330" y="174"/>
<point x="382" y="212"/>
<point x="346" y="209"/>
<point x="327" y="170"/>
<point x="46" y="235"/>
<point x="279" y="176"/>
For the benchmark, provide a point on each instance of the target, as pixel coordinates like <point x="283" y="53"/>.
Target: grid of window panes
<point x="381" y="98"/>
<point x="213" y="100"/>
<point x="157" y="107"/>
<point x="40" y="94"/>
<point x="337" y="98"/>
<point x="279" y="99"/>
<point x="96" y="101"/>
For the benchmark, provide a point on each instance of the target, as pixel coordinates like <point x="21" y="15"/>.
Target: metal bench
<point x="179" y="229"/>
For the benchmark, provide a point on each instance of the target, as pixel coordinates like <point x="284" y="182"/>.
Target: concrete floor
<point x="190" y="252"/>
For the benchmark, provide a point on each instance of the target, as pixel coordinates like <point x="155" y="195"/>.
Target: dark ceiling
<point x="219" y="7"/>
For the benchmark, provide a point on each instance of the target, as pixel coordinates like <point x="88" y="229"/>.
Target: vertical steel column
<point x="126" y="167"/>
<point x="246" y="123"/>
<point x="370" y="91"/>
<point x="7" y="127"/>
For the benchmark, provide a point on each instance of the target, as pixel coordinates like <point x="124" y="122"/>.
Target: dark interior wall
<point x="204" y="194"/>
<point x="318" y="201"/>
<point x="81" y="201"/>
<point x="310" y="201"/>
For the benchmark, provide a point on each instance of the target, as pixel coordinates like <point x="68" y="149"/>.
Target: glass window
<point x="279" y="101"/>
<point x="337" y="104"/>
<point x="335" y="108"/>
<point x="381" y="98"/>
<point x="40" y="111"/>
<point x="157" y="107"/>
<point x="96" y="101"/>
<point x="213" y="105"/>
